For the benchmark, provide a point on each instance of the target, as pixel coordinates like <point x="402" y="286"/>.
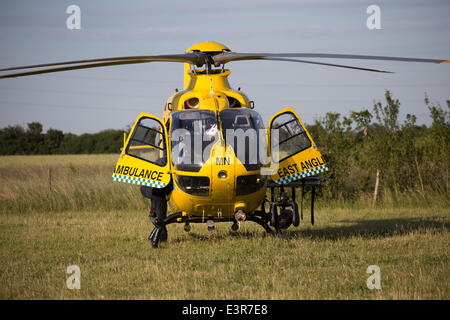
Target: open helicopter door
<point x="144" y="158"/>
<point x="294" y="155"/>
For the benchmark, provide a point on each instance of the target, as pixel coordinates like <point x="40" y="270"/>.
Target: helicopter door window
<point x="147" y="142"/>
<point x="292" y="138"/>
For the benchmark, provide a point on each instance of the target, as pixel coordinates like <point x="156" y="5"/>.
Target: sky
<point x="88" y="101"/>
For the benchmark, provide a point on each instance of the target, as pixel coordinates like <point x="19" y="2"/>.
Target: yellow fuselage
<point x="213" y="93"/>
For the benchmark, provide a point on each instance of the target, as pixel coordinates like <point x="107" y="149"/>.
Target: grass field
<point x="46" y="227"/>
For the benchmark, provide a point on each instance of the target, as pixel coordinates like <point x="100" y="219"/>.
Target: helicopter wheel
<point x="210" y="225"/>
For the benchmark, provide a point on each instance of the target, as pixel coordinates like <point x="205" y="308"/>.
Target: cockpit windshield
<point x="194" y="132"/>
<point x="243" y="130"/>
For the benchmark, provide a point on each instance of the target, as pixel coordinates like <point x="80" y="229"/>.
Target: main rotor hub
<point x="208" y="47"/>
<point x="205" y="50"/>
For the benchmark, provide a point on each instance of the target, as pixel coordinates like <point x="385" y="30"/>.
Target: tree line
<point x="408" y="157"/>
<point x="16" y="140"/>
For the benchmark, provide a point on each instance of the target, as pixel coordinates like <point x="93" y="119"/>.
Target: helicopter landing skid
<point x="279" y="219"/>
<point x="261" y="221"/>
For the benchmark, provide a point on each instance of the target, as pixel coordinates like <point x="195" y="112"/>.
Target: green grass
<point x="83" y="218"/>
<point x="63" y="183"/>
<point x="327" y="261"/>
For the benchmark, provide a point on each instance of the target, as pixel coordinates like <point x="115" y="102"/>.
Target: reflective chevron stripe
<point x="145" y="182"/>
<point x="303" y="174"/>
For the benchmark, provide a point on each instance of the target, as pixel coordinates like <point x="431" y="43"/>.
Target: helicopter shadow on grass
<point x="367" y="229"/>
<point x="224" y="235"/>
<point x="219" y="236"/>
<point x="370" y="229"/>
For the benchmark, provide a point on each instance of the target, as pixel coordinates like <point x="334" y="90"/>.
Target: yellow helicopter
<point x="210" y="159"/>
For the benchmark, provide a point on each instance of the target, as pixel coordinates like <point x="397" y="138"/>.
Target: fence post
<point x="375" y="192"/>
<point x="50" y="178"/>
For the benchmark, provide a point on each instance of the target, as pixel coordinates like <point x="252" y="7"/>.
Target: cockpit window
<point x="242" y="121"/>
<point x="241" y="128"/>
<point x="194" y="132"/>
<point x="240" y="118"/>
<point x="234" y="103"/>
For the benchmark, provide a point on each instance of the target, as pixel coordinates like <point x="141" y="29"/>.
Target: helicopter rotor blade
<point x="325" y="64"/>
<point x="226" y="57"/>
<point x="192" y="58"/>
<point x="201" y="58"/>
<point x="75" y="67"/>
